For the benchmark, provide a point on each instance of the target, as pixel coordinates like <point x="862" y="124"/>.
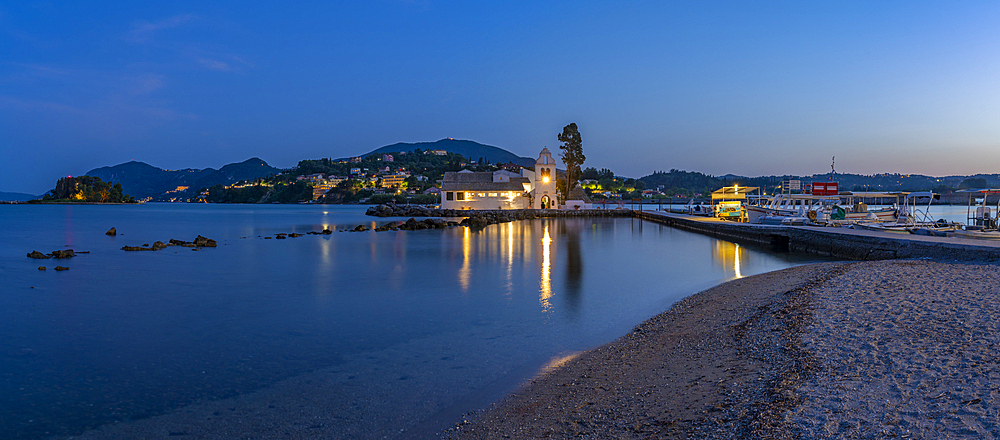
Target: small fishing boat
<point x="693" y="208"/>
<point x="817" y="208"/>
<point x="981" y="218"/>
<point x="859" y="210"/>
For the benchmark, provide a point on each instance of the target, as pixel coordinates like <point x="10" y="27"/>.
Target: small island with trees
<point x="85" y="189"/>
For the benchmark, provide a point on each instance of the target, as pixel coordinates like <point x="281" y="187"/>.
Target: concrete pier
<point x="852" y="244"/>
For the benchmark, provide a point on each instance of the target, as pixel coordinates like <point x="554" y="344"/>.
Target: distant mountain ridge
<point x="471" y="150"/>
<point x="16" y="197"/>
<point x="142" y="180"/>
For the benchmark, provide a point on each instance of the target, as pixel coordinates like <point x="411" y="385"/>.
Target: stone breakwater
<point x="476" y="219"/>
<point x="198" y="243"/>
<point x="850" y="244"/>
<point x="389" y="210"/>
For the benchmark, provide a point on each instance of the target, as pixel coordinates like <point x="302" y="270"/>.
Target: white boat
<point x="816" y="208"/>
<point x="693" y="209"/>
<point x="982" y="218"/>
<point x="911" y="218"/>
<point x="858" y="210"/>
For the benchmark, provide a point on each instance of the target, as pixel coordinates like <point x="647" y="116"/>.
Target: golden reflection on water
<point x="729" y="256"/>
<point x="546" y="282"/>
<point x="465" y="273"/>
<point x="510" y="259"/>
<point x="736" y="262"/>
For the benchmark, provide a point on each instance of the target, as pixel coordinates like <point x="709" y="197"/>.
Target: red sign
<point x="825" y="188"/>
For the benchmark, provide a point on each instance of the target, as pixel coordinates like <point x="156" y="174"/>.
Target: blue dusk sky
<point x="752" y="88"/>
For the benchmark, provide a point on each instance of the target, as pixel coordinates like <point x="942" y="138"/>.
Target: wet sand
<point x="890" y="349"/>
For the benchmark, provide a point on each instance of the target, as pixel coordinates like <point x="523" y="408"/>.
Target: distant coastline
<point x="41" y="202"/>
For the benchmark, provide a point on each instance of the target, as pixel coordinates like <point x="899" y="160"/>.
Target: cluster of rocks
<point x="476" y="219"/>
<point x="58" y="254"/>
<point x="199" y="242"/>
<point x="65" y="253"/>
<point x="285" y="235"/>
<point x="410" y="225"/>
<point x="393" y="210"/>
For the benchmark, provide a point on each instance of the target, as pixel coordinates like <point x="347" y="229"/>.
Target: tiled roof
<point x="452" y="177"/>
<point x="577" y="193"/>
<point x="481" y="181"/>
<point x="514" y="185"/>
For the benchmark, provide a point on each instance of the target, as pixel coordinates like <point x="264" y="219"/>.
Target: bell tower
<point x="545" y="182"/>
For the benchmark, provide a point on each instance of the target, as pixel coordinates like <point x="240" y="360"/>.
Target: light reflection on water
<point x="545" y="285"/>
<point x="728" y="255"/>
<point x="454" y="308"/>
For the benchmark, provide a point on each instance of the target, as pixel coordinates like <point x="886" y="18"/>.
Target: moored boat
<point x="816" y="208"/>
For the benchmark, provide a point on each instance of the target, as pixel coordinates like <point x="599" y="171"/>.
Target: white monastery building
<point x="502" y="189"/>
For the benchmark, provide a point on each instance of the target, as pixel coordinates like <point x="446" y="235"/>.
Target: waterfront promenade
<point x="849" y="244"/>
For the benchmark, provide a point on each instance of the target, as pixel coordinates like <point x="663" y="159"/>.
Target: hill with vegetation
<point x="86" y="189"/>
<point x="469" y="149"/>
<point x="357" y="180"/>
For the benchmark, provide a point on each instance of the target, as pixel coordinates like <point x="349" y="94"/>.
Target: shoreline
<point x="902" y="348"/>
<point x="714" y="365"/>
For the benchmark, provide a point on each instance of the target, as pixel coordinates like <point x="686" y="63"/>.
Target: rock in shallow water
<point x="68" y="253"/>
<point x="204" y="242"/>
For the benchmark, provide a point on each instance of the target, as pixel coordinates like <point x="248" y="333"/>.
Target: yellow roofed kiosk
<point x="728" y="202"/>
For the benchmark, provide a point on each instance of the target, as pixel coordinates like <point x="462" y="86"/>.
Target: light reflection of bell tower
<point x="545" y="181"/>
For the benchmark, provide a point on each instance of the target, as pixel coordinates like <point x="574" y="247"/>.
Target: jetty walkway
<point x="853" y="244"/>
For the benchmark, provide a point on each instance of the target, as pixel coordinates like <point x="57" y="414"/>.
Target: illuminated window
<point x="450" y="196"/>
<point x="482" y="194"/>
<point x="493" y="194"/>
<point x="461" y="195"/>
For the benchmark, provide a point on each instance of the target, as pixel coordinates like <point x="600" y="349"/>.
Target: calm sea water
<point x="129" y="335"/>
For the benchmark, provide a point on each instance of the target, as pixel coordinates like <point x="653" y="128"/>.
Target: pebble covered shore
<point x="889" y="349"/>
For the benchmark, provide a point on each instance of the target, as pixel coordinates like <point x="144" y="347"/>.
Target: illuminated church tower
<point x="545" y="182"/>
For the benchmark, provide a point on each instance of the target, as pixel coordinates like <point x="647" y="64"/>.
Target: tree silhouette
<point x="572" y="153"/>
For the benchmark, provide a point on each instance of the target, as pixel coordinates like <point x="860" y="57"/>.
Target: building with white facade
<point x="484" y="190"/>
<point x="503" y="189"/>
<point x="544" y="193"/>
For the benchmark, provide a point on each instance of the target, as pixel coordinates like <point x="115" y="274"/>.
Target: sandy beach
<point x="889" y="349"/>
